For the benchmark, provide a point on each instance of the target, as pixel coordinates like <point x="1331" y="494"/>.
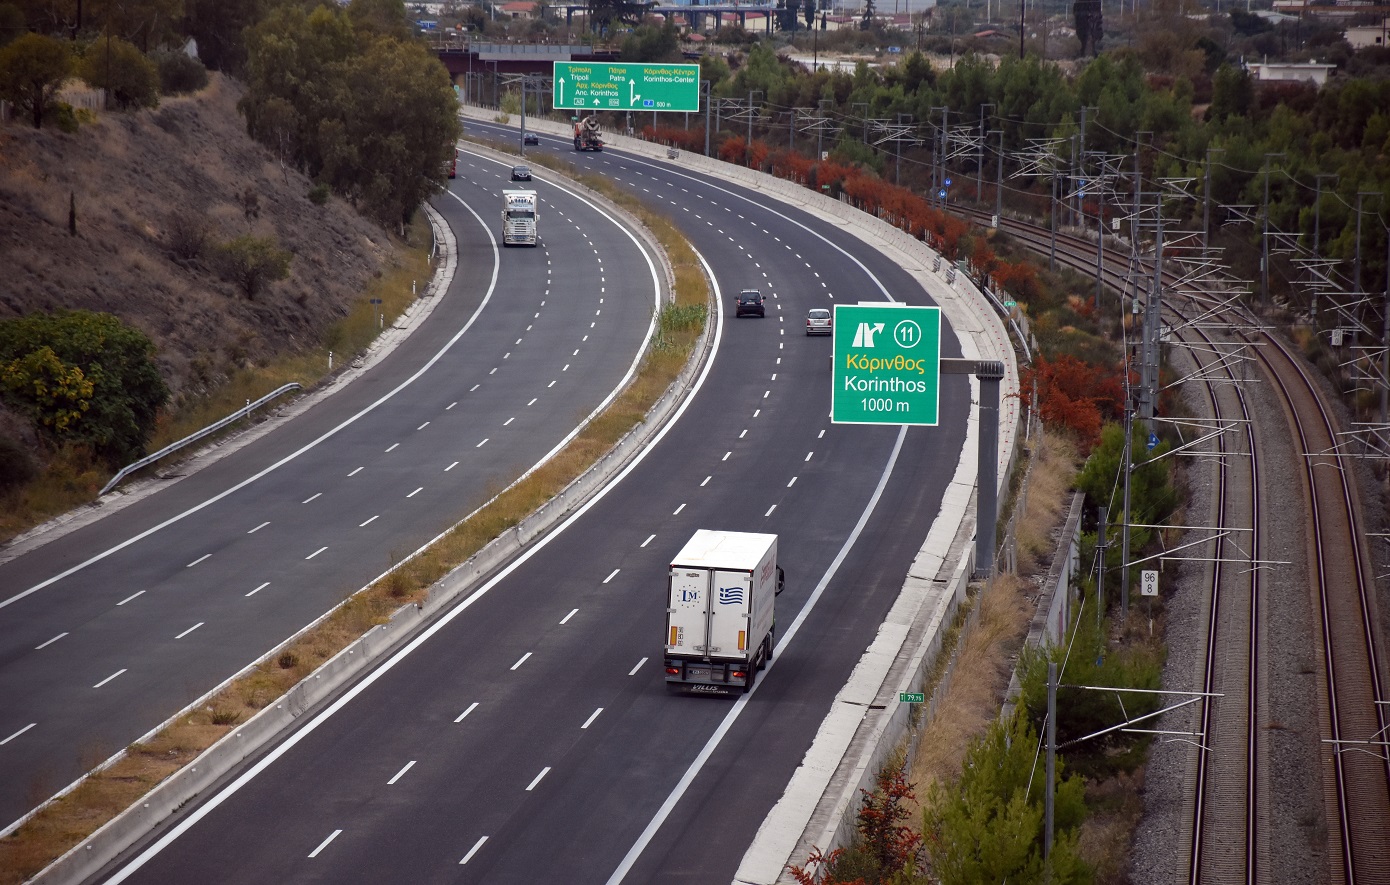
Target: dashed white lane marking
<point x="808" y="456"/>
<point x="324" y="844"/>
<point x="566" y="368"/>
<point x="592" y="717"/>
<point x="311" y="497"/>
<point x="531" y="786"/>
<point x="393" y="447"/>
<point x="769" y="511"/>
<point x="649" y="540"/>
<point x="521" y="661"/>
<point x="264" y="524"/>
<point x="766" y="394"/>
<point x="363" y="525"/>
<point x="744" y="433"/>
<point x="190" y="630"/>
<point x="726" y="456"/>
<point x="109" y="678"/>
<point x="474" y="387"/>
<point x="633" y="671"/>
<point x="474" y="850"/>
<point x="821" y="434"/>
<point x="451" y="405"/>
<point x="471" y="707"/>
<point x="550" y="385"/>
<point x="198" y="560"/>
<point x="259" y="589"/>
<point x="757" y="412"/>
<point x="791" y="482"/>
<point x="565" y="619"/>
<point x="50" y="642"/>
<point x="409" y="765"/>
<point x="481" y="444"/>
<point x="423" y="426"/>
<point x="29" y="726"/>
<point x="706" y="482"/>
<point x="130" y="597"/>
<point x="532" y="402"/>
<point x="508" y="421"/>
<point x="316" y="553"/>
<point x="612" y="575"/>
<point x="416" y="492"/>
<point x="494" y="371"/>
<point x="678" y="510"/>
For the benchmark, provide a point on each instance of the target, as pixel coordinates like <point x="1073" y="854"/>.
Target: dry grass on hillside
<point x="137" y="177"/>
<point x="987" y="659"/>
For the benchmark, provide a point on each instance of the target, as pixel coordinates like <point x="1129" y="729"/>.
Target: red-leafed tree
<point x="1074" y="395"/>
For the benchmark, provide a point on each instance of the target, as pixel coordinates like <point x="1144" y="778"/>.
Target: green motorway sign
<point x="602" y="86"/>
<point x="911" y="697"/>
<point x="886" y="367"/>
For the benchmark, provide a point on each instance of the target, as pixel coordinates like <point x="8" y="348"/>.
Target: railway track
<point x="1231" y="795"/>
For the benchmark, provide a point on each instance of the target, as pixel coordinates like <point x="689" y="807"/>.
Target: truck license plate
<point x="697" y="672"/>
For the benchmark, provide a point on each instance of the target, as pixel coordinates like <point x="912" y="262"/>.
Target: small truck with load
<point x="519" y="218"/>
<point x="586" y="134"/>
<point x="720" y="622"/>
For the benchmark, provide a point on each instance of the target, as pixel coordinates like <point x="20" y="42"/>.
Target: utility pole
<point x="999" y="184"/>
<point x="1052" y="221"/>
<point x="1124" y="528"/>
<point x="709" y="100"/>
<point x="1317" y="211"/>
<point x="1206" y="201"/>
<point x="1051" y="766"/>
<point x="1385" y="339"/>
<point x="1356" y="266"/>
<point x="1100" y="239"/>
<point x="1264" y="240"/>
<point x="1135" y="226"/>
<point x="980" y="162"/>
<point x="1153" y="306"/>
<point x="748" y="145"/>
<point x="1100" y="572"/>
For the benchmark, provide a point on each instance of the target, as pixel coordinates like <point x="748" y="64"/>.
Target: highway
<point x="526" y="736"/>
<point x="108" y="630"/>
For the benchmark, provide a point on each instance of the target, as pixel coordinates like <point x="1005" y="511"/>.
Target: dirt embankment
<point x="135" y="180"/>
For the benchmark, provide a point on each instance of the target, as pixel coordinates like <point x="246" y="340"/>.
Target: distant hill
<point x="139" y="180"/>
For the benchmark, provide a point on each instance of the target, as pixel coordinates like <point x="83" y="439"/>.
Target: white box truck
<point x="519" y="218"/>
<point x="719" y="615"/>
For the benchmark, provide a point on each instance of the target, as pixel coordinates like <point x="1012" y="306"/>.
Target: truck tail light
<point x="740" y="674"/>
<point x="673" y="671"/>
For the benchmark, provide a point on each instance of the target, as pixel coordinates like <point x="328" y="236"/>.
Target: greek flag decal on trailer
<point x="730" y="595"/>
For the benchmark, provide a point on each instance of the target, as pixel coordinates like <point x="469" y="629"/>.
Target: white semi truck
<point x="519" y="218"/>
<point x="719" y="617"/>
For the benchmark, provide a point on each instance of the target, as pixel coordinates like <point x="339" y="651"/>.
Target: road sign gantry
<point x="605" y="86"/>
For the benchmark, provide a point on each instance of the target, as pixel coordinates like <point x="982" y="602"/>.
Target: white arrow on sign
<point x="632" y="92"/>
<point x="560" y="93"/>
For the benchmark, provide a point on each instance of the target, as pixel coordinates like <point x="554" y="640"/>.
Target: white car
<point x="819" y="321"/>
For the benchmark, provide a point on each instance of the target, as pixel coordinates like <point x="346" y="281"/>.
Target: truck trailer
<point x="720" y="622"/>
<point x="519" y="218"/>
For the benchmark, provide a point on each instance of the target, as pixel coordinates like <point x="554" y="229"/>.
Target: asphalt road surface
<point x="109" y="630"/>
<point x="527" y="736"/>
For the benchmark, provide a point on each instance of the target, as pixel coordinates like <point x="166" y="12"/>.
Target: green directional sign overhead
<point x="639" y="86"/>
<point x="886" y="364"/>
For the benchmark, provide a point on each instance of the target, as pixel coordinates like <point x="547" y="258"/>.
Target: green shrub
<point x="252" y="262"/>
<point x="318" y="194"/>
<point x="130" y="79"/>
<point x="83" y="377"/>
<point x="179" y="73"/>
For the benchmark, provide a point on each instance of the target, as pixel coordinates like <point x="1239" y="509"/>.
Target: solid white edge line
<point x="444" y="620"/>
<point x="625" y="866"/>
<point x="492" y="287"/>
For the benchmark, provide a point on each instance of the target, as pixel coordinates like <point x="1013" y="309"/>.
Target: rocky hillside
<point x="137" y="182"/>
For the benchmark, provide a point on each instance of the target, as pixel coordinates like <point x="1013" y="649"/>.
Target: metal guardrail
<point x="206" y="431"/>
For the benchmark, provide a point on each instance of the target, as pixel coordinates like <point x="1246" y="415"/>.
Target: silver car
<point x="819" y="321"/>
